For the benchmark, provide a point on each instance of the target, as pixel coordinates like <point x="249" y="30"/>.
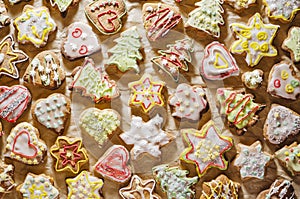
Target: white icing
<point x="147" y="137"/>
<point x="253" y="79"/>
<point x="62" y="5"/>
<point x="1" y="58"/>
<point x="280" y="190"/>
<point x="283" y="8"/>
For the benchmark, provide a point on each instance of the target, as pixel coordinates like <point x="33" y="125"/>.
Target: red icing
<point x="109" y="20"/>
<point x="75" y="155"/>
<point x="277" y="83"/>
<point x="30" y="145"/>
<point x="83" y="50"/>
<point x="77" y="33"/>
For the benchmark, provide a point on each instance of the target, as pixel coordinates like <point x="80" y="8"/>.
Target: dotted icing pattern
<point x="255" y="39"/>
<point x="284" y="10"/>
<point x="206" y="148"/>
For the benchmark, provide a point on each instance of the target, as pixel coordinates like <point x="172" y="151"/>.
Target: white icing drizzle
<point x="280" y="190"/>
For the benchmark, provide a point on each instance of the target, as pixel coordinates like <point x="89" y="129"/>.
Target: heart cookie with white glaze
<point x="13" y="102"/>
<point x="79" y="41"/>
<point x="113" y="164"/>
<point x="45" y="70"/>
<point x="24" y="144"/>
<point x="52" y="112"/>
<point x="99" y="124"/>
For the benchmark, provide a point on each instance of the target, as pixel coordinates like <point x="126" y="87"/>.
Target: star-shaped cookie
<point x="252" y="160"/>
<point x="146" y="93"/>
<point x="9" y="57"/>
<point x="240" y="5"/>
<point x="206" y="148"/>
<point x="147" y="137"/>
<point x="255" y="39"/>
<point x="139" y="188"/>
<point x="84" y="185"/>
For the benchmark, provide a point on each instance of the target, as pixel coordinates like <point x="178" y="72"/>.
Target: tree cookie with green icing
<point x="45" y="70"/>
<point x="174" y="182"/>
<point x="292" y="43"/>
<point x="289" y="157"/>
<point x="93" y="82"/>
<point x="126" y="52"/>
<point x="238" y="107"/>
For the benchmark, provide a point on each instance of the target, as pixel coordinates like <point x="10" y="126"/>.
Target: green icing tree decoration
<point x="126" y="52"/>
<point x="207" y="17"/>
<point x="174" y="181"/>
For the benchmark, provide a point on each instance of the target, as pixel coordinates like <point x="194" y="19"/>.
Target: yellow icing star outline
<point x="37" y="13"/>
<point x="280" y="17"/>
<point x="84" y="175"/>
<point x="8" y="52"/>
<point x="245" y="35"/>
<point x="56" y="148"/>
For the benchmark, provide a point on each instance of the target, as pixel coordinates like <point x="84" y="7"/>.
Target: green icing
<point x="290" y="156"/>
<point x="62" y="4"/>
<point x="293" y="43"/>
<point x="126" y="52"/>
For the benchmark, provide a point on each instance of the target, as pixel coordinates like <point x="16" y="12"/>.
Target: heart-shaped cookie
<point x="24" y="144"/>
<point x="106" y="15"/>
<point x="13" y="102"/>
<point x="99" y="123"/>
<point x="45" y="70"/>
<point x="52" y="112"/>
<point x="113" y="164"/>
<point x="94" y="82"/>
<point x="79" y="41"/>
<point x="218" y="63"/>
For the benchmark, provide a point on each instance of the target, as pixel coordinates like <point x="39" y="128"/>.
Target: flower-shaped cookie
<point x="69" y="154"/>
<point x="206" y="148"/>
<point x="255" y="39"/>
<point x="284" y="10"/>
<point x="292" y="43"/>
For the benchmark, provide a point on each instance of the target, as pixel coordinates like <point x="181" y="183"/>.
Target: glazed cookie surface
<point x="284" y="10"/>
<point x="253" y="79"/>
<point x="63" y="5"/>
<point x="241" y="5"/>
<point x="34" y="26"/>
<point x="292" y="44"/>
<point x="4" y="17"/>
<point x="279" y="189"/>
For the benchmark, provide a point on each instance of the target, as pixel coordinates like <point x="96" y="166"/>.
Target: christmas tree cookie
<point x="292" y="43"/>
<point x="174" y="59"/>
<point x="126" y="52"/>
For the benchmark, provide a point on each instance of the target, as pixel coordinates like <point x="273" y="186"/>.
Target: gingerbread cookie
<point x="114" y="164"/>
<point x="289" y="157"/>
<point x="38" y="186"/>
<point x="12" y="2"/>
<point x="4" y="18"/>
<point x="207" y="17"/>
<point x="174" y="182"/>
<point x="34" y="26"/>
<point x="218" y="63"/>
<point x="221" y="187"/>
<point x="284" y="81"/>
<point x="279" y="189"/>
<point x="94" y="82"/>
<point x="139" y="189"/>
<point x="69" y="154"/>
<point x="126" y="52"/>
<point x="292" y="43"/>
<point x="239" y="108"/>
<point x="63" y="5"/>
<point x="9" y="57"/>
<point x="84" y="186"/>
<point x="99" y="124"/>
<point x="52" y="112"/>
<point x="147" y="137"/>
<point x="284" y="10"/>
<point x="251" y="160"/>
<point x="146" y="93"/>
<point x="241" y="5"/>
<point x="159" y="19"/>
<point x="253" y="79"/>
<point x="106" y="15"/>
<point x="255" y="39"/>
<point x="13" y="102"/>
<point x="176" y="58"/>
<point x="45" y="70"/>
<point x="188" y="102"/>
<point x="24" y="144"/>
<point x="79" y="41"/>
<point x="7" y="182"/>
<point x="280" y="124"/>
<point x="206" y="148"/>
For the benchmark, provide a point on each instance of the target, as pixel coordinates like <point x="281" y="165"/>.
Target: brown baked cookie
<point x="106" y="15"/>
<point x="221" y="187"/>
<point x="279" y="189"/>
<point x="7" y="182"/>
<point x="253" y="79"/>
<point x="52" y="112"/>
<point x="159" y="19"/>
<point x="4" y="18"/>
<point x="64" y="5"/>
<point x="45" y="70"/>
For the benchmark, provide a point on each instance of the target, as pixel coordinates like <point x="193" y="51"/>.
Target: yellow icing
<point x="289" y="88"/>
<point x="216" y="63"/>
<point x="284" y="74"/>
<point x="11" y="53"/>
<point x="290" y="15"/>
